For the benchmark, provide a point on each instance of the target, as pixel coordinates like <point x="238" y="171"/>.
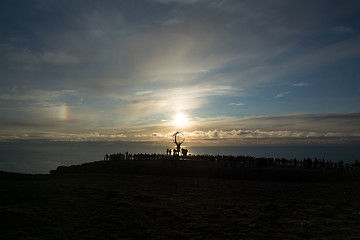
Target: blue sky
<point x="238" y="72"/>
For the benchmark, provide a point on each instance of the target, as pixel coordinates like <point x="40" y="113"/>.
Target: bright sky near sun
<point x="221" y="71"/>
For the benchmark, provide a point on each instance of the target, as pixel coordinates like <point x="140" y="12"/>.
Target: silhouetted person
<point x="341" y="165"/>
<point x="316" y="162"/>
<point x="357" y="164"/>
<point x="308" y="163"/>
<point x="184" y="152"/>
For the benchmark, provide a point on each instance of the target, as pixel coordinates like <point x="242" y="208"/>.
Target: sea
<point x="39" y="157"/>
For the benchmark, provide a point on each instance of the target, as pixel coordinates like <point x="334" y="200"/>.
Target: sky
<point x="223" y="72"/>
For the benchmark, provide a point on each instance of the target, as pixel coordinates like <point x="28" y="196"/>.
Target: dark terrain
<point x="255" y="204"/>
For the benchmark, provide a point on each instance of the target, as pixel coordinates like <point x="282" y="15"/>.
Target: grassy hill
<point x="128" y="202"/>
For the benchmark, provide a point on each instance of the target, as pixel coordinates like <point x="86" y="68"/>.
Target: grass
<point x="110" y="206"/>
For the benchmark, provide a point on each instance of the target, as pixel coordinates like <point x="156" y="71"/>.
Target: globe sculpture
<point x="179" y="138"/>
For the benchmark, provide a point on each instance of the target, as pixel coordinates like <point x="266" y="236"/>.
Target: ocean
<point x="39" y="157"/>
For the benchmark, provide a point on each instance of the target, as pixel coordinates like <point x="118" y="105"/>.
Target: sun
<point x="180" y="120"/>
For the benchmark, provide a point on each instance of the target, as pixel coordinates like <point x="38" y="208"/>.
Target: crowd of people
<point x="230" y="161"/>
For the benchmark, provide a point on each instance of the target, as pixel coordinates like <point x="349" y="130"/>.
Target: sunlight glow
<point x="180" y="120"/>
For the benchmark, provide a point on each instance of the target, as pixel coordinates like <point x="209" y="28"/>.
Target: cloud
<point x="130" y="65"/>
<point x="342" y="30"/>
<point x="296" y="125"/>
<point x="332" y="127"/>
<point x="124" y="53"/>
<point x="172" y="99"/>
<point x="258" y="137"/>
<point x="59" y="58"/>
<point x="247" y="133"/>
<point x="38" y="108"/>
<point x="301" y="84"/>
<point x="36" y="94"/>
<point x="64" y="136"/>
<point x="283" y="129"/>
<point x="283" y="94"/>
<point x="178" y="1"/>
<point x="205" y="45"/>
<point x="328" y="54"/>
<point x="29" y="59"/>
<point x="346" y="123"/>
<point x="237" y="104"/>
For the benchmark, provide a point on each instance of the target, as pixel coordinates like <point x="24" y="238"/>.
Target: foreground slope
<point x="143" y="206"/>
